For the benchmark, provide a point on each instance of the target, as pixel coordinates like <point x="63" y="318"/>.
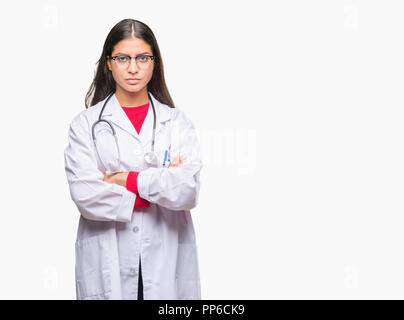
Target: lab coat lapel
<point x="162" y="115"/>
<point x="114" y="113"/>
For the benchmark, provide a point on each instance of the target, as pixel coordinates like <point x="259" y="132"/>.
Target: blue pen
<point x="165" y="158"/>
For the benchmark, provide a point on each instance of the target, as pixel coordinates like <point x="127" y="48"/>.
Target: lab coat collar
<point x="113" y="112"/>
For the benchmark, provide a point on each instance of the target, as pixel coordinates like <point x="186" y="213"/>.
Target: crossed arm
<point x="121" y="178"/>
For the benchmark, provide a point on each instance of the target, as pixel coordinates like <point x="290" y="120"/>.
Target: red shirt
<point x="136" y="115"/>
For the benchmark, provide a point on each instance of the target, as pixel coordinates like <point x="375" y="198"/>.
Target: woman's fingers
<point x="108" y="177"/>
<point x="177" y="161"/>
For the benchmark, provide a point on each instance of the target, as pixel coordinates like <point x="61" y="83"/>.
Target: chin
<point x="134" y="88"/>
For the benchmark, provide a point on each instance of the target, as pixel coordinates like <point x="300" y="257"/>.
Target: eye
<point x="143" y="58"/>
<point x="123" y="58"/>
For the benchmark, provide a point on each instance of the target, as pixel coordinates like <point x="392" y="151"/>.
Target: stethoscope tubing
<point x="114" y="133"/>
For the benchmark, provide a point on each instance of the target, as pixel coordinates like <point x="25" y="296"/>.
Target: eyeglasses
<point x="142" y="60"/>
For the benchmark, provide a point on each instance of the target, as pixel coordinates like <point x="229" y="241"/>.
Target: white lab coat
<point x="111" y="235"/>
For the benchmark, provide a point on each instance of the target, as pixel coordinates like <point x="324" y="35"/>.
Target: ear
<point x="109" y="63"/>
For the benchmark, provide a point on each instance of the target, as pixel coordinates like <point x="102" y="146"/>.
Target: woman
<point x="135" y="237"/>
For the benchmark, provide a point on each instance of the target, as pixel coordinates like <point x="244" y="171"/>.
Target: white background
<point x="299" y="109"/>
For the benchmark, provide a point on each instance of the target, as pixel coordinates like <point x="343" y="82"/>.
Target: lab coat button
<point x="132" y="271"/>
<point x="135" y="229"/>
<point x="137" y="152"/>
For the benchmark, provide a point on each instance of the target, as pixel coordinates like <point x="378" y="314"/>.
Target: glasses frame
<point x="134" y="57"/>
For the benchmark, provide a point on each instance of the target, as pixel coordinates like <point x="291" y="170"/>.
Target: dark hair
<point x="104" y="83"/>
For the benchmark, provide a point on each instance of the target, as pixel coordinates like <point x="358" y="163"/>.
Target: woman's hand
<point x="177" y="161"/>
<point x="117" y="178"/>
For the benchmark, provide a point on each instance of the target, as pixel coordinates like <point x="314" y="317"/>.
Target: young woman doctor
<point x="135" y="238"/>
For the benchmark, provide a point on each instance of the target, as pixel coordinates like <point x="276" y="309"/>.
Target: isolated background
<point x="299" y="109"/>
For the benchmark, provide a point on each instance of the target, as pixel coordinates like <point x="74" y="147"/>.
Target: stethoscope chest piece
<point x="150" y="158"/>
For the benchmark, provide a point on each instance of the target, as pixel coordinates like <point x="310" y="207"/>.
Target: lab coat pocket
<point x="93" y="272"/>
<point x="187" y="272"/>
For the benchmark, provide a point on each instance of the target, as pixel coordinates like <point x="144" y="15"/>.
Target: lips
<point x="132" y="80"/>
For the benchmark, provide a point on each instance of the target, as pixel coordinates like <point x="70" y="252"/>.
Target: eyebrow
<point x="128" y="54"/>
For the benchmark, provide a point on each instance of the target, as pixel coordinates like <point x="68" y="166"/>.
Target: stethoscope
<point x="149" y="157"/>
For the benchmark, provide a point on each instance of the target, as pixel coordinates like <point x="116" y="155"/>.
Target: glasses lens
<point x="122" y="61"/>
<point x="143" y="61"/>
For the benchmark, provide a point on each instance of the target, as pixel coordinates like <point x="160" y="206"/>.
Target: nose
<point x="132" y="67"/>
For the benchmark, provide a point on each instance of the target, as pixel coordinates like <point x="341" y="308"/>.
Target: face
<point x="133" y="69"/>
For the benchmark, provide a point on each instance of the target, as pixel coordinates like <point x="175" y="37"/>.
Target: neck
<point x="131" y="99"/>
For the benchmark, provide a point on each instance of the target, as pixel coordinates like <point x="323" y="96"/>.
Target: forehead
<point x="132" y="46"/>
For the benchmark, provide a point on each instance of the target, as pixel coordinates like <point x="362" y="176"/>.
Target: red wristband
<point x="140" y="202"/>
<point x="131" y="181"/>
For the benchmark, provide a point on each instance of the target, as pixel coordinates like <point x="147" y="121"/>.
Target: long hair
<point x="103" y="83"/>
